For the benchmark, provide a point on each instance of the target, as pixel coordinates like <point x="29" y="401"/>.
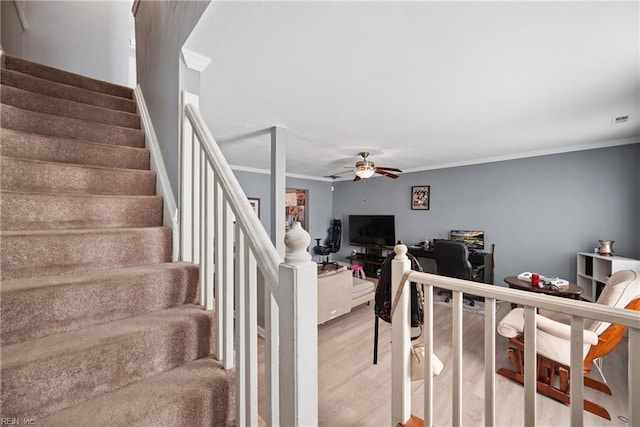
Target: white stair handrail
<point x="266" y="255"/>
<point x="220" y="231"/>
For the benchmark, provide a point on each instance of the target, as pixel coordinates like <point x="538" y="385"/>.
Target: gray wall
<point x="11" y="34"/>
<point x="89" y="38"/>
<point x="318" y="208"/>
<point x="161" y="29"/>
<point x="537" y="211"/>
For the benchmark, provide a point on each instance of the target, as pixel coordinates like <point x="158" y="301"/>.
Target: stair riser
<point x="64" y="108"/>
<point x="72" y="93"/>
<point x="200" y="394"/>
<point x="80" y="375"/>
<point x="64" y="77"/>
<point x="55" y="253"/>
<point x="82" y="300"/>
<point x="32" y="146"/>
<point x="41" y="177"/>
<point x="29" y="211"/>
<point x="63" y="127"/>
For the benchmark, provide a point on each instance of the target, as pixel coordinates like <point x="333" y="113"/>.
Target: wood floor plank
<point x="354" y="392"/>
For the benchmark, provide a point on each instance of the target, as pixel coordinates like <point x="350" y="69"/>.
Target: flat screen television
<point x="372" y="230"/>
<point x="474" y="239"/>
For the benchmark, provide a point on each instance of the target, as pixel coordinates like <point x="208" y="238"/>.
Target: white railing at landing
<point x="400" y="356"/>
<point x="220" y="231"/>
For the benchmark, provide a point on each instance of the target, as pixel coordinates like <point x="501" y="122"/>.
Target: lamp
<point x="366" y="172"/>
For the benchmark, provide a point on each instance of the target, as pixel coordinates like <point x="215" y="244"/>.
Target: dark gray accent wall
<point x="158" y="64"/>
<point x="539" y="212"/>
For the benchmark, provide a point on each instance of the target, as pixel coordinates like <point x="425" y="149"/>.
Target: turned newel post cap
<point x="401" y="251"/>
<point x="297" y="241"/>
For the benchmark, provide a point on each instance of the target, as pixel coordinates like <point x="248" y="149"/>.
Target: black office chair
<point x="452" y="260"/>
<point x="332" y="242"/>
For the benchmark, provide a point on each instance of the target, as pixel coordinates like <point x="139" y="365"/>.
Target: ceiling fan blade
<point x="356" y="178"/>
<point x="340" y="173"/>
<point x="388" y="169"/>
<point x="385" y="173"/>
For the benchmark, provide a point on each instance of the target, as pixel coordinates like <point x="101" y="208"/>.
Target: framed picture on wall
<point x="420" y="197"/>
<point x="255" y="204"/>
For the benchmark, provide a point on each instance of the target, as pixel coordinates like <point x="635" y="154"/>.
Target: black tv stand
<point x="371" y="259"/>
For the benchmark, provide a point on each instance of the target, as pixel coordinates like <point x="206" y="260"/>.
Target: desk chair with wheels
<point x="332" y="242"/>
<point x="452" y="260"/>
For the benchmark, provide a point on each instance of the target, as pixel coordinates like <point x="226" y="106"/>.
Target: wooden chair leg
<point x="597" y="385"/>
<point x="547" y="371"/>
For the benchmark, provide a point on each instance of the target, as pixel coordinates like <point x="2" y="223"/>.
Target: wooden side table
<point x="572" y="291"/>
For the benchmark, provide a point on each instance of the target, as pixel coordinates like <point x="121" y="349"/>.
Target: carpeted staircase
<point x="98" y="326"/>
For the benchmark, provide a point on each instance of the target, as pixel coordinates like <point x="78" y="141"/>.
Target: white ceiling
<point x="420" y="85"/>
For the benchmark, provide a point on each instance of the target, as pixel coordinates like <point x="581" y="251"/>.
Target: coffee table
<point x="572" y="291"/>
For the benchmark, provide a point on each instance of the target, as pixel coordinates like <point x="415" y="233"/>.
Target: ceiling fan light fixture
<point x="365" y="173"/>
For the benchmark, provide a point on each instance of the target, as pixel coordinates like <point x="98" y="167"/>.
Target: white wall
<point x="85" y="37"/>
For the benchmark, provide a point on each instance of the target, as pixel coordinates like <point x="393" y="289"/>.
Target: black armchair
<point x="332" y="242"/>
<point x="452" y="260"/>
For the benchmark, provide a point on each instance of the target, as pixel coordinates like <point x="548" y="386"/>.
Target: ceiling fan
<point x="366" y="168"/>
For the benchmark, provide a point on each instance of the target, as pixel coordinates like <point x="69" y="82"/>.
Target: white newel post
<point x="401" y="341"/>
<point x="298" y="332"/>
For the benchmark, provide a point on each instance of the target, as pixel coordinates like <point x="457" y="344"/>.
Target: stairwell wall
<point x="88" y="38"/>
<point x="161" y="29"/>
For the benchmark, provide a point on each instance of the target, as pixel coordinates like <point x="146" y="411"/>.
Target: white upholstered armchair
<point x="553" y="341"/>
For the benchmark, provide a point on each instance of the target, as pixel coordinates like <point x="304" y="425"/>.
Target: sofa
<point x="339" y="291"/>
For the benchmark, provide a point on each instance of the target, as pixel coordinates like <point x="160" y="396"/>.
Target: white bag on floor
<point x="417" y="362"/>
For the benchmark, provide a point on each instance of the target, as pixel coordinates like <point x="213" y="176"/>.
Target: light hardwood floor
<point x="354" y="392"/>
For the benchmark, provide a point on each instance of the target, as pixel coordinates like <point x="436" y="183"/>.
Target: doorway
<point x="296" y="208"/>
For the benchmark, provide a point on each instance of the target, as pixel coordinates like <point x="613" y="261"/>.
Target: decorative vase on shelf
<point x="606" y="247"/>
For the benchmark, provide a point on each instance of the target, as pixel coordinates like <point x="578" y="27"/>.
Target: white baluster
<point x="298" y="332"/>
<point x="227" y="286"/>
<point x="240" y="327"/>
<point x="251" y="337"/>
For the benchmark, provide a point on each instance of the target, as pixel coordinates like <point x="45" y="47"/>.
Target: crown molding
<point x="288" y="175"/>
<point x="527" y="154"/>
<point x="195" y="61"/>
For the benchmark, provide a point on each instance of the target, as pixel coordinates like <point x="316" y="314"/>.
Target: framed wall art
<point x="255" y="204"/>
<point x="420" y="197"/>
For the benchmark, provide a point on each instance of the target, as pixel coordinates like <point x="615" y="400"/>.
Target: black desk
<point x="477" y="259"/>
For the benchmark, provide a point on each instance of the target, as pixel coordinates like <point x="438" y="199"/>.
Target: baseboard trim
<point x="163" y="185"/>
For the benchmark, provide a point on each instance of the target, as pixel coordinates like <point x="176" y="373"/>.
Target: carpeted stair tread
<point x="37" y="307"/>
<point x="65" y="77"/>
<point x="99" y="326"/>
<point x="47" y="177"/>
<point x="197" y="394"/>
<point x="33" y="101"/>
<point x="59" y="90"/>
<point x="32" y="146"/>
<point x="47" y="374"/>
<point x="64" y="127"/>
<point x="54" y="252"/>
<point x="42" y="211"/>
